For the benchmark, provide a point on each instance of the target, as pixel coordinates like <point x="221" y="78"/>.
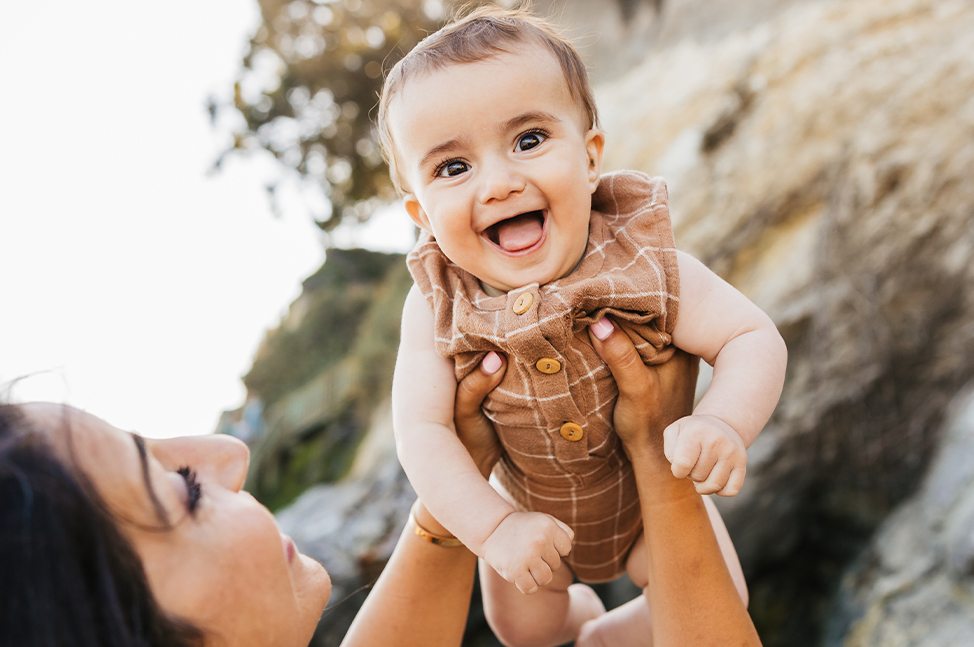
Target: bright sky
<point x="131" y="283"/>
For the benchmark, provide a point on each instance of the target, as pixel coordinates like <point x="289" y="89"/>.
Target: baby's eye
<point x="527" y="141"/>
<point x="194" y="490"/>
<point x="451" y="168"/>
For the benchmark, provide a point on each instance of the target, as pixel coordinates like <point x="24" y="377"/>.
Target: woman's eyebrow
<point x="144" y="459"/>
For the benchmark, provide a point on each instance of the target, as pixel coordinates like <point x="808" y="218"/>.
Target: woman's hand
<point x="475" y="431"/>
<point x="650" y="397"/>
<point x="691" y="592"/>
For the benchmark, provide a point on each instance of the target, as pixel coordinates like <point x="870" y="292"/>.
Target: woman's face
<point x="213" y="556"/>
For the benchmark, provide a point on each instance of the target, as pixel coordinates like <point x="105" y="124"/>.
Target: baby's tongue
<point x="520" y="232"/>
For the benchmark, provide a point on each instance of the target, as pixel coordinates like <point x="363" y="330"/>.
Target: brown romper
<point x="553" y="409"/>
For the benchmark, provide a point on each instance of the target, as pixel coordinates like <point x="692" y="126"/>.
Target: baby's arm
<point x="740" y="341"/>
<point x="523" y="547"/>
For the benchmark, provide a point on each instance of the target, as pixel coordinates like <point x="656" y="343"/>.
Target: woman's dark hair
<point x="68" y="576"/>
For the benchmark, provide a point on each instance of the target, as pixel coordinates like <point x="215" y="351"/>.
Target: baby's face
<point x="500" y="165"/>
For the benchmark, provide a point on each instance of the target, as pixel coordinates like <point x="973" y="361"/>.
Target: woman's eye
<point x="194" y="490"/>
<point x="451" y="168"/>
<point x="527" y="141"/>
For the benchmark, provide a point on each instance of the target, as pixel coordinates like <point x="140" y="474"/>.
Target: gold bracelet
<point x="436" y="540"/>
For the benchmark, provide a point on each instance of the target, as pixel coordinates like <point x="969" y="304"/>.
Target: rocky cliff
<point x="818" y="161"/>
<point x="319" y="379"/>
<point x="914" y="584"/>
<point x="818" y="156"/>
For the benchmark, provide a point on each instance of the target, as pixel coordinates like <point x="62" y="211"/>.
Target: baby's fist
<point x="708" y="451"/>
<point x="526" y="547"/>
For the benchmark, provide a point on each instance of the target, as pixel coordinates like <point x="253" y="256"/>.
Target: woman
<point x="111" y="539"/>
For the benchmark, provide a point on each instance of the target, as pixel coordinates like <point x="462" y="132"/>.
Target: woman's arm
<point x="690" y="592"/>
<point x="423" y="594"/>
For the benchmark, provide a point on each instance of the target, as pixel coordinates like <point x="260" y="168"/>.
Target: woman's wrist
<point x="650" y="465"/>
<point x="648" y="451"/>
<point x="657" y="486"/>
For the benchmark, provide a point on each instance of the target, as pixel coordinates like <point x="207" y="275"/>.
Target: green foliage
<point x="322" y="325"/>
<point x="323" y="455"/>
<point x="308" y="85"/>
<point x="324" y="373"/>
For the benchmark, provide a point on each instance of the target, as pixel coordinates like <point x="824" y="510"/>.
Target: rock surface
<point x="318" y="379"/>
<point x="915" y="583"/>
<point x="819" y="162"/>
<point x="819" y="158"/>
<point x="351" y="526"/>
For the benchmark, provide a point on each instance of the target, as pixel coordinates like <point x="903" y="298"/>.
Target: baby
<point x="492" y="136"/>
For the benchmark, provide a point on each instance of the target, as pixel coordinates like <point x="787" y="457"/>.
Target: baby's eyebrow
<point x="439" y="148"/>
<point x="533" y="116"/>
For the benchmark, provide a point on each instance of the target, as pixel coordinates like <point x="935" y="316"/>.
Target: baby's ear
<point x="416" y="213"/>
<point x="594" y="143"/>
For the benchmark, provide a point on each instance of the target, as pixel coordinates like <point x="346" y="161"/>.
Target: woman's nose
<point x="230" y="460"/>
<point x="217" y="457"/>
<point x="498" y="182"/>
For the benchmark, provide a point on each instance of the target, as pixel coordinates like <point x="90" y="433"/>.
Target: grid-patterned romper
<point x="553" y="410"/>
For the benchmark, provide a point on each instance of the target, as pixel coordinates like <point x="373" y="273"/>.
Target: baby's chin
<point x="494" y="289"/>
<point x="540" y="268"/>
<point x="490" y="290"/>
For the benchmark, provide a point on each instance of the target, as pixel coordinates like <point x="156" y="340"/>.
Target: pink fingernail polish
<point x="491" y="363"/>
<point x="602" y="328"/>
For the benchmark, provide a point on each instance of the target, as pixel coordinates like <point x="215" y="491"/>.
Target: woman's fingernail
<point x="602" y="328"/>
<point x="491" y="362"/>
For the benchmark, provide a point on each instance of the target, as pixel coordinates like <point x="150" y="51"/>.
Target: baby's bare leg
<point x="552" y="616"/>
<point x="631" y="623"/>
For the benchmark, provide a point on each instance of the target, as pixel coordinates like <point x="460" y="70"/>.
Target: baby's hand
<point x="526" y="547"/>
<point x="708" y="451"/>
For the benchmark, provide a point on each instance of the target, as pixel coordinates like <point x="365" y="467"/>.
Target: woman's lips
<point x="290" y="550"/>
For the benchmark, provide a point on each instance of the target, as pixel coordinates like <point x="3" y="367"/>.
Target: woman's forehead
<point x="74" y="433"/>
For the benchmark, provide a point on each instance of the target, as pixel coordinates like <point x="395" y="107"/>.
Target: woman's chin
<point x="312" y="586"/>
<point x="322" y="576"/>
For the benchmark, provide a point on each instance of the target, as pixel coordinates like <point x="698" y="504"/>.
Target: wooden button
<point x="522" y="303"/>
<point x="547" y="365"/>
<point x="571" y="431"/>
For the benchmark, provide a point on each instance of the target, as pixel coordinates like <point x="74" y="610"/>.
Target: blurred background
<point x="192" y="193"/>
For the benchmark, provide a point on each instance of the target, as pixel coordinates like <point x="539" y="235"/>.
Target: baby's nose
<point x="499" y="183"/>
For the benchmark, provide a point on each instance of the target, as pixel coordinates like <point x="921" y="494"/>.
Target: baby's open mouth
<point x="520" y="232"/>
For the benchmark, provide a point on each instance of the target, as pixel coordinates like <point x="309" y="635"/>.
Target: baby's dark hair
<point x="475" y="36"/>
<point x="69" y="575"/>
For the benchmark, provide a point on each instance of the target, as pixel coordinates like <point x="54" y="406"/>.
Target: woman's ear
<point x="594" y="143"/>
<point x="416" y="213"/>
